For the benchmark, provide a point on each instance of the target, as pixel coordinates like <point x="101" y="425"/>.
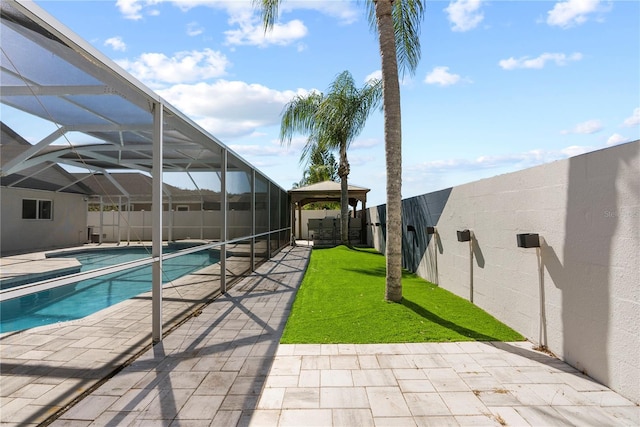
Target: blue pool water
<point x="88" y="296"/>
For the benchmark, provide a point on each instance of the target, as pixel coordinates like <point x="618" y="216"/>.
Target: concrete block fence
<point x="578" y="294"/>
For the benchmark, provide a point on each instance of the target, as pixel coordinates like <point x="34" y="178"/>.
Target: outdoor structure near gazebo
<point x="326" y="191"/>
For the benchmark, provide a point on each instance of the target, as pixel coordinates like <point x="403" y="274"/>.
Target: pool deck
<point x="225" y="366"/>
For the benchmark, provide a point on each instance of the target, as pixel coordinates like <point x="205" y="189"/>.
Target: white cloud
<point x="297" y="143"/>
<point x="116" y="43"/>
<point x="484" y="162"/>
<point x="585" y="128"/>
<point x="156" y="68"/>
<point x="230" y="108"/>
<point x="261" y="150"/>
<point x="513" y="161"/>
<point x="588" y="127"/>
<point x="376" y="75"/>
<point x="365" y="143"/>
<point x="135" y="9"/>
<point x="251" y="32"/>
<point x="566" y="14"/>
<point x="525" y="62"/>
<point x="465" y="15"/>
<point x="441" y="76"/>
<point x="616" y="138"/>
<point x="404" y="80"/>
<point x="344" y="10"/>
<point x="575" y="150"/>
<point x="130" y="9"/>
<point x="242" y="14"/>
<point x="272" y="148"/>
<point x="194" y="29"/>
<point x="356" y="161"/>
<point x="634" y="120"/>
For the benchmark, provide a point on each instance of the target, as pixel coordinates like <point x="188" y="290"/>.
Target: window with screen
<point x="37" y="209"/>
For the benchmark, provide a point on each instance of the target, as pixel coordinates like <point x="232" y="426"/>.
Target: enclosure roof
<point x="47" y="176"/>
<point x="130" y="184"/>
<point x="138" y="186"/>
<point x="104" y="114"/>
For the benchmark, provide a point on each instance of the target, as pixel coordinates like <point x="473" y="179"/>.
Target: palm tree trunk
<point x="393" y="149"/>
<point x="343" y="171"/>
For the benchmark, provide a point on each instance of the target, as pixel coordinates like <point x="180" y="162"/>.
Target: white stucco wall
<point x="584" y="278"/>
<point x="67" y="228"/>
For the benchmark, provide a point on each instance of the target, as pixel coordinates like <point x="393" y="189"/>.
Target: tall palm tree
<point x="332" y="121"/>
<point x="397" y="23"/>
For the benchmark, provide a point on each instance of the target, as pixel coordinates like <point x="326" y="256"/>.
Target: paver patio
<point x="226" y="367"/>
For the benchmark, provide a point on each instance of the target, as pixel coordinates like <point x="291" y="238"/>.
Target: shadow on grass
<point x="421" y="311"/>
<point x="365" y="249"/>
<point x="377" y="272"/>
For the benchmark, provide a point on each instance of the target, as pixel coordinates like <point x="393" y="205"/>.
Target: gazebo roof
<point x="326" y="191"/>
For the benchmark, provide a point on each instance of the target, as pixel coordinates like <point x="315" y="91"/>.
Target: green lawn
<point x="341" y="300"/>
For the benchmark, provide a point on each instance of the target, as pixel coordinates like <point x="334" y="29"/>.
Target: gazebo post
<point x="299" y="220"/>
<point x="293" y="221"/>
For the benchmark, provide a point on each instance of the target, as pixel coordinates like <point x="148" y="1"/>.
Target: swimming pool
<point x="78" y="300"/>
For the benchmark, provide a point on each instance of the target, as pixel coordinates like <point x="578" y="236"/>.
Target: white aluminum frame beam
<point x="17" y="164"/>
<point x="223" y="226"/>
<point x="156" y="230"/>
<point x="253" y="220"/>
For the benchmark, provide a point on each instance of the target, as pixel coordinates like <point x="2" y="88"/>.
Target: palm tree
<point x="322" y="166"/>
<point x="332" y="122"/>
<point x="398" y="26"/>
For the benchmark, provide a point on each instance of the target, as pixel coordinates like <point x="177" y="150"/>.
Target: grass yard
<point x="341" y="300"/>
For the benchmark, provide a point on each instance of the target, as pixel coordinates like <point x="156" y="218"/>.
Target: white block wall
<point x="585" y="277"/>
<point x="67" y="228"/>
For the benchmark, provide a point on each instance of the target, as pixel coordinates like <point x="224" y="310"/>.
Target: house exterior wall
<point x="579" y="293"/>
<point x="68" y="227"/>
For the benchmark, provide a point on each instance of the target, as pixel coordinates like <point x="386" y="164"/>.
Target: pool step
<point x="17" y="272"/>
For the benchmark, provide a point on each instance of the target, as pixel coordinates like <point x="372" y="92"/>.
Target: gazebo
<point x="326" y="191"/>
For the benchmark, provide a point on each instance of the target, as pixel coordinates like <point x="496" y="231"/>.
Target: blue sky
<point x="501" y="86"/>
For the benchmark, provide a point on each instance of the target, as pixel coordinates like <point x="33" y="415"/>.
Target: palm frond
<point x="269" y="12"/>
<point x="330" y="121"/>
<point x="299" y="116"/>
<point x="407" y="18"/>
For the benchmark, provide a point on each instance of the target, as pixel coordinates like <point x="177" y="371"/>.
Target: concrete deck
<point x="225" y="367"/>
